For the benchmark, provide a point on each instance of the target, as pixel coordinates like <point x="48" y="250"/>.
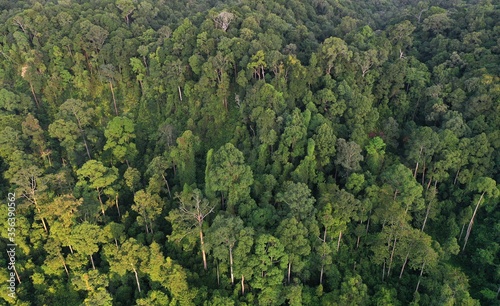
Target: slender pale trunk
<point x="70" y="248"/>
<point x="17" y="275"/>
<point x="415" y="172"/>
<point x="231" y="264"/>
<point x="469" y="228"/>
<point x="218" y="275"/>
<point x="383" y="271"/>
<point x="114" y="101"/>
<point x="368" y="222"/>
<point x="423" y="173"/>
<point x="461" y="232"/>
<point x="392" y="257"/>
<point x="180" y="92"/>
<point x="64" y="265"/>
<point x="420" y="277"/>
<point x="289" y="271"/>
<point x="117" y="206"/>
<point x="100" y="201"/>
<point x="204" y="256"/>
<point x="92" y="261"/>
<point x="426" y="215"/>
<point x="39" y="211"/>
<point x="137" y="280"/>
<point x="456" y="177"/>
<point x="322" y="257"/>
<point x="34" y="95"/>
<point x="83" y="135"/>
<point x="242" y="284"/>
<point x="168" y="187"/>
<point x="404" y="265"/>
<point x="338" y="242"/>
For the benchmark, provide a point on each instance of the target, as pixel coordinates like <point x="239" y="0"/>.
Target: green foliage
<point x="279" y="152"/>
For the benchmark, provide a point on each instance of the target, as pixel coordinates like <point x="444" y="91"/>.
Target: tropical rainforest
<point x="241" y="152"/>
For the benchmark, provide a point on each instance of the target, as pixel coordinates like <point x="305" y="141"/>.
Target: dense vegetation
<point x="315" y="152"/>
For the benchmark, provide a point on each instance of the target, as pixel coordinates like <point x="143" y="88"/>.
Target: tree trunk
<point x="83" y="135"/>
<point x="242" y="284"/>
<point x="429" y="184"/>
<point x="461" y="232"/>
<point x="338" y="242"/>
<point x="392" y="256"/>
<point x="64" y="264"/>
<point x="456" y="177"/>
<point x="404" y="264"/>
<point x="231" y="264"/>
<point x="92" y="261"/>
<point x="289" y="271"/>
<point x="137" y="280"/>
<point x="168" y="187"/>
<point x="218" y="275"/>
<point x="117" y="207"/>
<point x="383" y="271"/>
<point x="420" y="277"/>
<point x="114" y="99"/>
<point x="423" y="174"/>
<point x="38" y="209"/>
<point x="321" y="274"/>
<point x="426" y="215"/>
<point x="469" y="228"/>
<point x="322" y="257"/>
<point x="204" y="256"/>
<point x="34" y="95"/>
<point x="100" y="201"/>
<point x="17" y="275"/>
<point x="180" y="92"/>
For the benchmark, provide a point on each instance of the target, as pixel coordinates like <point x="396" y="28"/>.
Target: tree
<point x="348" y="155"/>
<point x="127" y="7"/>
<point x="229" y="174"/>
<point x="223" y="20"/>
<point x="130" y="256"/>
<point x="149" y="207"/>
<point x="333" y="53"/>
<point x="30" y="185"/>
<point x="109" y="75"/>
<point x="120" y="134"/>
<point x="82" y="113"/>
<point x="486" y="186"/>
<point x="224" y="236"/>
<point x="95" y="175"/>
<point x="183" y="156"/>
<point x="85" y="238"/>
<point x="95" y="284"/>
<point x="298" y="199"/>
<point x="271" y="262"/>
<point x="189" y="217"/>
<point x="325" y="141"/>
<point x="293" y="236"/>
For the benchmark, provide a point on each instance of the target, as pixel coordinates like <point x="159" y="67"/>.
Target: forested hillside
<point x="277" y="152"/>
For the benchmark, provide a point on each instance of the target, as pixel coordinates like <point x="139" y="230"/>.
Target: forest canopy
<point x="314" y="152"/>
